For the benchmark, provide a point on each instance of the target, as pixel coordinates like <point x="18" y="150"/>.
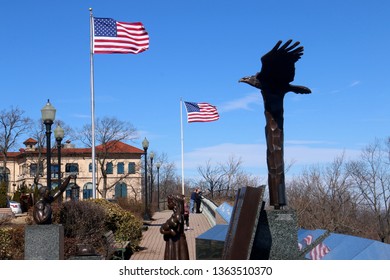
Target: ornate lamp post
<point x="42" y="212"/>
<point x="145" y="145"/>
<point x="151" y="176"/>
<point x="158" y="165"/>
<point x="48" y="115"/>
<point x="59" y="135"/>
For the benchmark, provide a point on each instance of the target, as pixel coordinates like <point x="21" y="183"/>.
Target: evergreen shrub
<point x="125" y="225"/>
<point x="3" y="194"/>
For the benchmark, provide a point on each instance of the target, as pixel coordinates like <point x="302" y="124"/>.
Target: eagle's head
<point x="251" y="80"/>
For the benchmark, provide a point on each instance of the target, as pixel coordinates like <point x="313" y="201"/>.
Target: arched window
<point x="120" y="190"/>
<point x="87" y="191"/>
<point x="4" y="174"/>
<point x="121" y="168"/>
<point x="68" y="191"/>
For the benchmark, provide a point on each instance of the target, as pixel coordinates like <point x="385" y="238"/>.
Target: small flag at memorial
<point x="319" y="251"/>
<point x="201" y="112"/>
<point x="111" y="36"/>
<point x="305" y="242"/>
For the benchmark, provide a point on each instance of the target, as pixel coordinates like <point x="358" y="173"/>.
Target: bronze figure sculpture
<point x="277" y="72"/>
<point x="42" y="212"/>
<point x="176" y="247"/>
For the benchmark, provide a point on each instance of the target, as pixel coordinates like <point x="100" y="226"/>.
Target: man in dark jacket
<point x="198" y="200"/>
<point x="192" y="200"/>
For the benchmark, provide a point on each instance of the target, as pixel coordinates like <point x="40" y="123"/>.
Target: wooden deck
<point x="154" y="244"/>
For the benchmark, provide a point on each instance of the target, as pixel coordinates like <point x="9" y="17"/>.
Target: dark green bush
<point x="3" y="194"/>
<point x="84" y="222"/>
<point x="125" y="225"/>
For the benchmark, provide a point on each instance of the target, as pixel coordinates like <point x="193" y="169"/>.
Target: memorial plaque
<point x="243" y="223"/>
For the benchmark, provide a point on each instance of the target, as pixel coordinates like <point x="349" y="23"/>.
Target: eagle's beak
<point x="243" y="80"/>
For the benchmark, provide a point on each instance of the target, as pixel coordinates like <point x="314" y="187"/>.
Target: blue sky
<point x="199" y="49"/>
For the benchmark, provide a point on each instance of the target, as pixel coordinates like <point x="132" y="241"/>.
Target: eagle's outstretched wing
<point x="278" y="65"/>
<point x="278" y="69"/>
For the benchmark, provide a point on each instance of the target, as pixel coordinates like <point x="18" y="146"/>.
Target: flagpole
<point x="92" y="107"/>
<point x="182" y="146"/>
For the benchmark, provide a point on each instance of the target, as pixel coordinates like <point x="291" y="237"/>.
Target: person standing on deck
<point x="192" y="200"/>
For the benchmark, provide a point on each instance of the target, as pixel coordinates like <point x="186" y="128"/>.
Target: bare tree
<point x="38" y="132"/>
<point x="169" y="182"/>
<point x="371" y="178"/>
<point x="224" y="179"/>
<point x="323" y="198"/>
<point x="232" y="171"/>
<point x="108" y="132"/>
<point x="13" y="124"/>
<point x="212" y="177"/>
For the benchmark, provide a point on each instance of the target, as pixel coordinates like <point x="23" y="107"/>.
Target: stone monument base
<point x="44" y="242"/>
<point x="276" y="236"/>
<point x="209" y="245"/>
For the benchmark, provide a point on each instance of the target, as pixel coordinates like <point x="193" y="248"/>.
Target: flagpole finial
<point x="90" y="9"/>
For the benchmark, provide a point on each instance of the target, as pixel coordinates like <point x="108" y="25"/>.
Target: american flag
<point x="201" y="112"/>
<point x="111" y="36"/>
<point x="319" y="251"/>
<point x="305" y="242"/>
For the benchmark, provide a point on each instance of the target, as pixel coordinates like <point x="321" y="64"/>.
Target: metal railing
<point x="208" y="208"/>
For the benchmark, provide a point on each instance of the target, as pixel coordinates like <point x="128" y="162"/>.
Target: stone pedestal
<point x="276" y="236"/>
<point x="44" y="242"/>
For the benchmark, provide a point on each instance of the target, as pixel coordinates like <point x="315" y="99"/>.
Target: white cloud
<point x="305" y="155"/>
<point x="253" y="156"/>
<point x="306" y="142"/>
<point x="354" y="83"/>
<point x="242" y="103"/>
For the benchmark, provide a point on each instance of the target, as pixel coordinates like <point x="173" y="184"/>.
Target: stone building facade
<point x="122" y="163"/>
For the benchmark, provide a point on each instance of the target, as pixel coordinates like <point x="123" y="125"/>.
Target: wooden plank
<point x="154" y="244"/>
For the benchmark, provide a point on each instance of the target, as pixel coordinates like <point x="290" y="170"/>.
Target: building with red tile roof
<point x="122" y="163"/>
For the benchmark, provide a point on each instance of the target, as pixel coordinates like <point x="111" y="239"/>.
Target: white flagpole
<point x="92" y="107"/>
<point x="182" y="146"/>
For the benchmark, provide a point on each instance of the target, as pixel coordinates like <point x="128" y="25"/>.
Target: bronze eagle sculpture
<point x="274" y="80"/>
